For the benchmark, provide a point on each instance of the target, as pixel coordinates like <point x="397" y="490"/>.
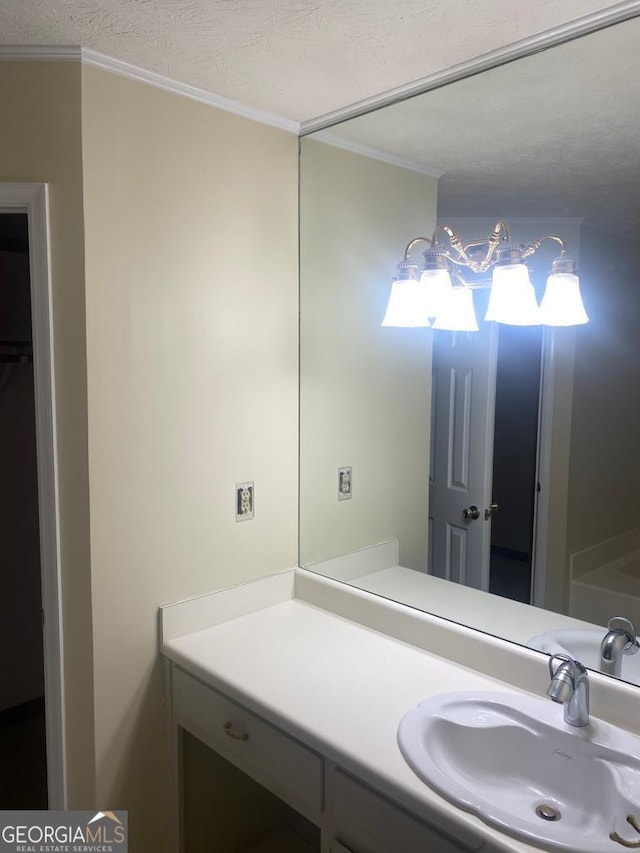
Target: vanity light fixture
<point x="440" y="293"/>
<point x="457" y="311"/>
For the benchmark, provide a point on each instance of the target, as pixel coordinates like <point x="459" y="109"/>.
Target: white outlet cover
<point x="345" y="484"/>
<point x="245" y="500"/>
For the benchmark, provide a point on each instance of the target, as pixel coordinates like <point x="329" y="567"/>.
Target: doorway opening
<point x="23" y="782"/>
<point x="515" y="443"/>
<point x="29" y="201"/>
<point x="490" y="446"/>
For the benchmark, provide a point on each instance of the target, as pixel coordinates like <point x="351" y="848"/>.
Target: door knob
<point x="493" y="508"/>
<point x="471" y="513"/>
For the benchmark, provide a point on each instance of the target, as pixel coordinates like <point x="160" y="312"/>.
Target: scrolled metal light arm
<point x="531" y="248"/>
<point x="414" y="242"/>
<point x="457" y="251"/>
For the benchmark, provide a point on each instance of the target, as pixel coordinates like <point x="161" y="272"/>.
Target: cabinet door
<point x="366" y="822"/>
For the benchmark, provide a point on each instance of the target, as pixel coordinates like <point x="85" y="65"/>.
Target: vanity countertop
<point x="376" y="569"/>
<point x="341" y="688"/>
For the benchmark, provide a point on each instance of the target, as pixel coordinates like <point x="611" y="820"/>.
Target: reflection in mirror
<point x="439" y="427"/>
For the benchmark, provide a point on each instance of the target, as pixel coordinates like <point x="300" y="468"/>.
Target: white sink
<point x="583" y="644"/>
<point x="503" y="755"/>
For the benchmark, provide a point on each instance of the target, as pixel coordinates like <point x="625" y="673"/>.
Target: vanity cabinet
<point x="363" y="821"/>
<point x="326" y="809"/>
<point x="292" y="771"/>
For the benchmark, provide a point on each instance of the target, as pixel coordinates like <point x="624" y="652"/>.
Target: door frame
<point x="33" y="199"/>
<point x="549" y="588"/>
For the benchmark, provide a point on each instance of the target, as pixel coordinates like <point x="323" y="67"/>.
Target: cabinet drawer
<point x="287" y="768"/>
<point x="366" y="822"/>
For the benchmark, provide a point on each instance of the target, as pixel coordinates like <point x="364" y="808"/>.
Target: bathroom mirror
<point x="549" y="143"/>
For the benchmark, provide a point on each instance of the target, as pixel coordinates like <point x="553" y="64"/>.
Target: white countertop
<point x="494" y="614"/>
<point x="342" y="689"/>
<point x="376" y="569"/>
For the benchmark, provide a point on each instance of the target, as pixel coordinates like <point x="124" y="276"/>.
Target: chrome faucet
<point x="570" y="687"/>
<point x="619" y="640"/>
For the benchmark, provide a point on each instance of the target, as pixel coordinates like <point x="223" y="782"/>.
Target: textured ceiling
<point x="297" y="58"/>
<point x="553" y="134"/>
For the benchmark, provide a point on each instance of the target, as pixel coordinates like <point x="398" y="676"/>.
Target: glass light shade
<point x="407" y="304"/>
<point x="562" y="303"/>
<point x="513" y="299"/>
<point x="437" y="285"/>
<point x="457" y="313"/>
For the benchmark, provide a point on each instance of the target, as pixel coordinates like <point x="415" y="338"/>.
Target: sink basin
<point x="511" y="759"/>
<point x="583" y="644"/>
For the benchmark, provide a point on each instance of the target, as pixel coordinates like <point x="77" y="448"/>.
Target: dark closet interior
<point x="22" y="728"/>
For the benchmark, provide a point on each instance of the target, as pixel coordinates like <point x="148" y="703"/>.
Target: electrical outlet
<point x="345" y="484"/>
<point x="244" y="501"/>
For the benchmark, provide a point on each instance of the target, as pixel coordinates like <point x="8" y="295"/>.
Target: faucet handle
<point x="574" y="665"/>
<point x="625" y="626"/>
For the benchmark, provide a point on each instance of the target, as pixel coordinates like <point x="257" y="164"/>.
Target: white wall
<point x="191" y="289"/>
<point x="364" y="390"/>
<point x="41" y="141"/>
<point x="605" y="460"/>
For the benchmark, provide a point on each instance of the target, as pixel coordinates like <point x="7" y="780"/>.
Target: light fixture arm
<point x="414" y="242"/>
<point x="456" y="244"/>
<point x="499" y="235"/>
<point x="531" y="248"/>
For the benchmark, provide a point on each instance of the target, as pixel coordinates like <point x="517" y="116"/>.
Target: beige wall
<point x="191" y="282"/>
<point x="605" y="461"/>
<point x="364" y="390"/>
<point x="41" y="141"/>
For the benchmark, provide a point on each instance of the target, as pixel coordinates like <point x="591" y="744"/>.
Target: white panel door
<point x="462" y="413"/>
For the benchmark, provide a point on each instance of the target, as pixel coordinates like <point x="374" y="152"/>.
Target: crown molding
<point x="40" y="53"/>
<point x="125" y="69"/>
<point x="56" y="53"/>
<point x="492" y="59"/>
<point x="376" y="154"/>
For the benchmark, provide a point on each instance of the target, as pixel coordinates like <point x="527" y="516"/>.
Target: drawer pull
<point x="228" y="730"/>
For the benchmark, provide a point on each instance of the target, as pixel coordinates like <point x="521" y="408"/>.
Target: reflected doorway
<point x="486" y="397"/>
<point x="514" y="461"/>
